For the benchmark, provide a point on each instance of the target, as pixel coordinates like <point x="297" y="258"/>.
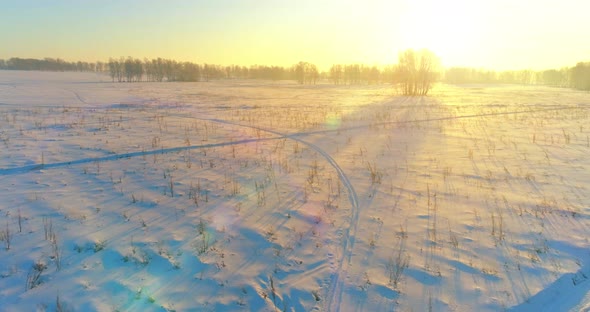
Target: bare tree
<point x="138" y="69"/>
<point x="580" y="76"/>
<point x="306" y="73"/>
<point x="336" y="73"/>
<point x="417" y="71"/>
<point x="112" y="68"/>
<point x="299" y="69"/>
<point x="116" y="69"/>
<point x="129" y="69"/>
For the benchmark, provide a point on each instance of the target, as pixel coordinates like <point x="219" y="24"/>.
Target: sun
<point x="449" y="28"/>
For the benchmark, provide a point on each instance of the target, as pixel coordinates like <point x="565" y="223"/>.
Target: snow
<point x="264" y="196"/>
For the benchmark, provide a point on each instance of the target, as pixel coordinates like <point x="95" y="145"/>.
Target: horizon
<point x="491" y="35"/>
<point x="287" y="66"/>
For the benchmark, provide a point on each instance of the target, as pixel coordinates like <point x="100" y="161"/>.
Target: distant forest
<point x="135" y="70"/>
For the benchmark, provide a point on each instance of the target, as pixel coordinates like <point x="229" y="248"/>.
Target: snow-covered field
<point x="270" y="196"/>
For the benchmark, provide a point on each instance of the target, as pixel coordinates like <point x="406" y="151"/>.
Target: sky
<point x="492" y="34"/>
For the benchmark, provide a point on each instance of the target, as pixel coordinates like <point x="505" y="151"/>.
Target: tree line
<point x="577" y="77"/>
<point x="132" y="70"/>
<point x="414" y="73"/>
<point x="50" y="64"/>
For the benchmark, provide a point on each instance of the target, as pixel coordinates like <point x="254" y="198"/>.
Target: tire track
<point x="28" y="168"/>
<point x="78" y="96"/>
<point x="336" y="285"/>
<point x="397" y="122"/>
<point x="424" y="120"/>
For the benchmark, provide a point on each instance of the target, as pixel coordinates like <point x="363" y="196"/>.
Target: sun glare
<point x="447" y="28"/>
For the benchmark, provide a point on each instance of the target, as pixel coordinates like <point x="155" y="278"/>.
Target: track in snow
<point x="335" y="292"/>
<point x="28" y="168"/>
